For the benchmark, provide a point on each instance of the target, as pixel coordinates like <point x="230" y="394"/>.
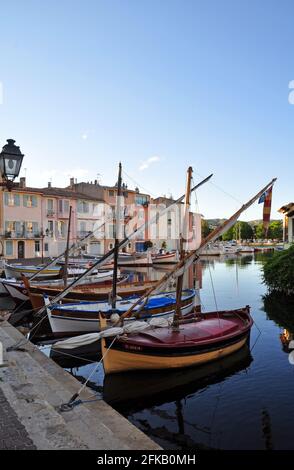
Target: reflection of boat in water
<point x="135" y="389"/>
<point x="69" y="360"/>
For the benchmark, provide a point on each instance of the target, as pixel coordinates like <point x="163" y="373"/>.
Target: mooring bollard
<point x="1" y="354"/>
<point x="2" y="363"/>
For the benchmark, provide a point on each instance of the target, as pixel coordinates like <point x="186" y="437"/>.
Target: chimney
<point x="72" y="182"/>
<point x="22" y="182"/>
<point x="49" y="184"/>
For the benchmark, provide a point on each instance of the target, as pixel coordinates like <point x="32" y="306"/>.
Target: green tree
<point x="205" y="229"/>
<point x="259" y="230"/>
<point x="242" y="230"/>
<point x="229" y="235"/>
<point x="276" y="229"/>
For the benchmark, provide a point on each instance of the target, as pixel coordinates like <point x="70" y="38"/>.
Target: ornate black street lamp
<point x="10" y="163"/>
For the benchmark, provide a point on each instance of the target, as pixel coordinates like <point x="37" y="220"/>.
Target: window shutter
<point x="18" y="227"/>
<point x="6" y="199"/>
<point x="9" y="248"/>
<point x="25" y="200"/>
<point x="16" y="200"/>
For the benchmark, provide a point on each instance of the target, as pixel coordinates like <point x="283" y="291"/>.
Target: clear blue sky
<point x="88" y="83"/>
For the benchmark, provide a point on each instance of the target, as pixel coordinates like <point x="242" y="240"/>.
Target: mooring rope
<point x="72" y="402"/>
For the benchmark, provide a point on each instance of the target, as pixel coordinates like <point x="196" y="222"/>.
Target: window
<point x="61" y="228"/>
<point x="9" y="226"/>
<point x="112" y="231"/>
<point x="9" y="248"/>
<point x="37" y="246"/>
<point x="30" y="201"/>
<point x="63" y="206"/>
<point x="50" y="228"/>
<point x="11" y="199"/>
<point x="111" y="193"/>
<point x="141" y="199"/>
<point x="83" y="207"/>
<point x="50" y="206"/>
<point x="83" y="226"/>
<point x="46" y="247"/>
<point x="32" y="228"/>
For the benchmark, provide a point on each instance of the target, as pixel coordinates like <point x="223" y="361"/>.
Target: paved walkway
<point x="32" y="389"/>
<point x="13" y="434"/>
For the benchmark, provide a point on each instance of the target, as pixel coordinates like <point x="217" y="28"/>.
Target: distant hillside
<point x="217" y="222"/>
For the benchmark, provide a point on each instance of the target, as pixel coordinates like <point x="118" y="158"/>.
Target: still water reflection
<point x="243" y="402"/>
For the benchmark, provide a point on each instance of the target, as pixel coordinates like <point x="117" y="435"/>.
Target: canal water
<point x="243" y="402"/>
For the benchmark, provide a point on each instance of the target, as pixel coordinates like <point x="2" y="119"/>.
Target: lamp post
<point x="10" y="163"/>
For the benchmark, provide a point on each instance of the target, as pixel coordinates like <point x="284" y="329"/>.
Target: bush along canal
<point x="278" y="272"/>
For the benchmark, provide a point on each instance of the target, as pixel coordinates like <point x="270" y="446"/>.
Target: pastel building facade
<point x="288" y="222"/>
<point x="34" y="221"/>
<point x="134" y="212"/>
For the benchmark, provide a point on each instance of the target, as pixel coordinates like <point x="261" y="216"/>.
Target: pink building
<point x="34" y="221"/>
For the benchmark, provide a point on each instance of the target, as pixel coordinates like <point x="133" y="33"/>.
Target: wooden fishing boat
<point x="129" y="259"/>
<point x="87" y="292"/>
<point x="19" y="289"/>
<point x="165" y="258"/>
<point x="198" y="340"/>
<point x="135" y="389"/>
<point x="77" y="318"/>
<point x="15" y="271"/>
<point x="245" y="249"/>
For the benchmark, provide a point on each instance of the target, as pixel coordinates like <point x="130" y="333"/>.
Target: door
<point x="20" y="249"/>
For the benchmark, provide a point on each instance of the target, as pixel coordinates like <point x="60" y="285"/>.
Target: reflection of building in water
<point x="285" y="338"/>
<point x="192" y="277"/>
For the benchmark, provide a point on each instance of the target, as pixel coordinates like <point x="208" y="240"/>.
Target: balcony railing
<point x="24" y="234"/>
<point x="50" y="213"/>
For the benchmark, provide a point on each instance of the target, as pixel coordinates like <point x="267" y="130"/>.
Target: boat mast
<point x="189" y="258"/>
<point x="183" y="239"/>
<point x="116" y="242"/>
<point x="67" y="250"/>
